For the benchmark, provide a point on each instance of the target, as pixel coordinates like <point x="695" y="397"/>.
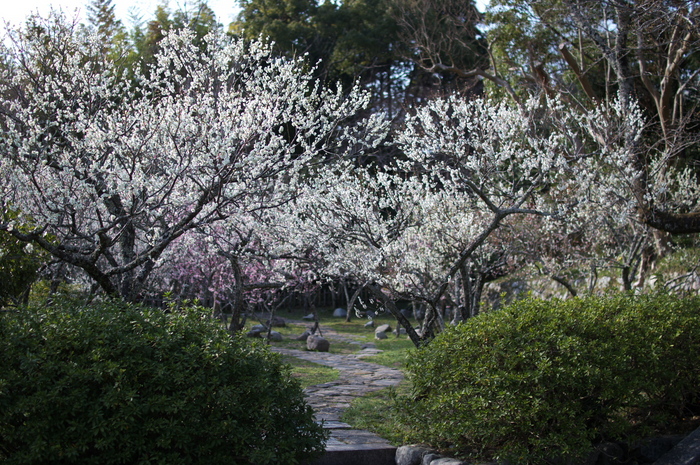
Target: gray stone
<point x="278" y="322"/>
<point x="382" y="329"/>
<point x="254" y="333"/>
<point x="274" y="336"/>
<point x="411" y="455"/>
<point x="303" y="336"/>
<point x="447" y="461"/>
<point x="380" y="335"/>
<point x="653" y="449"/>
<point x="259" y="328"/>
<point x="310" y="316"/>
<point x="687" y="452"/>
<point x="340" y="313"/>
<point x="369" y="324"/>
<point x="399" y="331"/>
<point x="429" y="457"/>
<point x="317" y="343"/>
<point x="370" y="314"/>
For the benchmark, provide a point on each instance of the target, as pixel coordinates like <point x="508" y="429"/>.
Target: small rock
<point x="429" y="457"/>
<point x="310" y="316"/>
<point x="380" y="335"/>
<point x="303" y="336"/>
<point x="411" y="455"/>
<point x="253" y="333"/>
<point x="382" y="329"/>
<point x="340" y="313"/>
<point x="317" y="343"/>
<point x="369" y="324"/>
<point x="259" y="328"/>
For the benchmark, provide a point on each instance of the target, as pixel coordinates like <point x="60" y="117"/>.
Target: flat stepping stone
<point x="347" y="446"/>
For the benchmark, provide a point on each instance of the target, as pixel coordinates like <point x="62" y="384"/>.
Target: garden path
<point x="328" y="400"/>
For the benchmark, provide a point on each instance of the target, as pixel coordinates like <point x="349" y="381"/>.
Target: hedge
<point x="113" y="383"/>
<point x="550" y="379"/>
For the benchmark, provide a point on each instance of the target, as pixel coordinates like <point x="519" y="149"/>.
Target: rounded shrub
<point x="550" y="379"/>
<point x="113" y="383"/>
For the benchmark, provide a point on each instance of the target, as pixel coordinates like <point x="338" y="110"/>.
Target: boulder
<point x="380" y="335"/>
<point x="447" y="461"/>
<point x="254" y="333"/>
<point x="652" y="449"/>
<point x="370" y="314"/>
<point x="278" y="322"/>
<point x="369" y="324"/>
<point x="310" y="317"/>
<point x="317" y="343"/>
<point x="400" y="331"/>
<point x="429" y="457"/>
<point x="340" y="313"/>
<point x="303" y="336"/>
<point x="259" y="328"/>
<point x="382" y="329"/>
<point x="411" y="455"/>
<point x="274" y="336"/>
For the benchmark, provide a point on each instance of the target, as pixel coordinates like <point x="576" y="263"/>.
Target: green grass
<point x="309" y="373"/>
<point x="378" y="412"/>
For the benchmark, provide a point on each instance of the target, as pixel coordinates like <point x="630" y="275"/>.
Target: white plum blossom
<point x="115" y="170"/>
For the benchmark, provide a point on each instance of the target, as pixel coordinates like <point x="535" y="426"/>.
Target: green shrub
<point x="541" y="379"/>
<point x="113" y="383"/>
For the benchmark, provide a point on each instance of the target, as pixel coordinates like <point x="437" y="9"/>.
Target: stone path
<point x="328" y="400"/>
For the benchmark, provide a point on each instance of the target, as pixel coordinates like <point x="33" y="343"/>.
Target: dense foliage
<point x="113" y="383"/>
<point x="549" y="379"/>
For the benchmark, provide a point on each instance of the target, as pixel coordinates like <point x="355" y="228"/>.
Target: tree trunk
<point x="351" y="302"/>
<point x="400" y="318"/>
<point x="238" y="302"/>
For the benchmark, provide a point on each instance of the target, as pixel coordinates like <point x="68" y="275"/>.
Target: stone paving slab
<point x="347" y="446"/>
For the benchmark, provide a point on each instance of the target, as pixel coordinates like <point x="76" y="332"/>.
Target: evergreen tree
<point x="101" y="16"/>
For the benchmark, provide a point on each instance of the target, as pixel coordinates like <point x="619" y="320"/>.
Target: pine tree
<point x="101" y="16"/>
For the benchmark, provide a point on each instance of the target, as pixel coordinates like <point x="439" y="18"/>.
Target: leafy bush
<point x="542" y="379"/>
<point x="113" y="383"/>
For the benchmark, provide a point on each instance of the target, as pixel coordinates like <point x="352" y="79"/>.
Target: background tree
<point x="20" y="263"/>
<point x="443" y="39"/>
<point x="353" y="40"/>
<point x="638" y="51"/>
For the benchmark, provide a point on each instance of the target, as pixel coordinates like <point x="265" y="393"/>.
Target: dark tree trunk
<point x="400" y="318"/>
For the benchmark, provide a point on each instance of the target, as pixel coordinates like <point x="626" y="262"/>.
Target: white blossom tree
<point x="115" y="171"/>
<point x="441" y="212"/>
